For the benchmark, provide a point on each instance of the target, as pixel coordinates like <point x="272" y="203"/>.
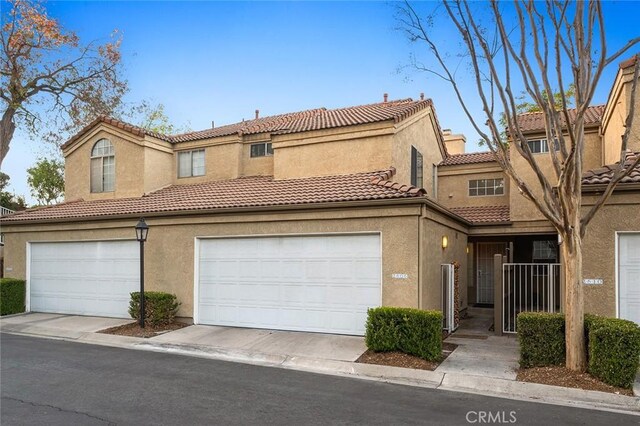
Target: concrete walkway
<point x="466" y="370"/>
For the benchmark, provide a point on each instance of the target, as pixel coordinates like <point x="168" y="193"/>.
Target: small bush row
<point x="12" y="296"/>
<point x="159" y="308"/>
<point x="613" y="345"/>
<point x="411" y="331"/>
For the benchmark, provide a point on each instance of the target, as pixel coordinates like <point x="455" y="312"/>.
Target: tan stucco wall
<point x="523" y="209"/>
<point x="332" y="152"/>
<point x="621" y="213"/>
<point x="255" y="166"/>
<point x="169" y="258"/>
<point x="613" y="126"/>
<point x="434" y="228"/>
<point x="159" y="168"/>
<point x="222" y="162"/>
<point x="453" y="186"/>
<point x="419" y="132"/>
<point x="129" y="173"/>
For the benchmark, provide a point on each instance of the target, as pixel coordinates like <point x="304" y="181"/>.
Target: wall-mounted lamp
<point x="467" y="249"/>
<point x="445" y="242"/>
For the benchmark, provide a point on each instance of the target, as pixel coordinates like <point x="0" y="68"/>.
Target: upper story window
<point x="261" y="149"/>
<point x="191" y="163"/>
<point x="480" y="187"/>
<point x="417" y="178"/>
<point x="538" y="146"/>
<point x="103" y="167"/>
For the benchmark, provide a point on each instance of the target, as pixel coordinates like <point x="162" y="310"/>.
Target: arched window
<point x="103" y="167"/>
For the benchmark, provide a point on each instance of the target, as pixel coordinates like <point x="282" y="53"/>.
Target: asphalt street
<point x="53" y="382"/>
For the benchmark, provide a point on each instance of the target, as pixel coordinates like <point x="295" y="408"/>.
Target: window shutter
<point x="414" y="168"/>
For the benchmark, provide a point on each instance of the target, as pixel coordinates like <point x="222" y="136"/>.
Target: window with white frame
<point x="103" y="167"/>
<point x="191" y="163"/>
<point x="481" y="187"/>
<point x="263" y="149"/>
<point x="538" y="146"/>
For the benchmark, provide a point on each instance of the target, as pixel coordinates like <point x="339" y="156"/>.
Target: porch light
<point x="467" y="249"/>
<point x="142" y="231"/>
<point x="445" y="242"/>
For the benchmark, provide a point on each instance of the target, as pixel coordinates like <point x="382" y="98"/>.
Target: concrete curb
<point x="500" y="388"/>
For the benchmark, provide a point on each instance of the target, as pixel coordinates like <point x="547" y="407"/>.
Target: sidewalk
<point x="464" y="371"/>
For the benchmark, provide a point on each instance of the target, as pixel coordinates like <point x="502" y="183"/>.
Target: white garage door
<point x="84" y="278"/>
<point x="629" y="278"/>
<point x="307" y="283"/>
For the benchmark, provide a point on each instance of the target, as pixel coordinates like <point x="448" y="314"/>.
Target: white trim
<point x="196" y="280"/>
<point x="196" y="257"/>
<point x="83" y="241"/>
<point x="617" y="267"/>
<point x="27" y="295"/>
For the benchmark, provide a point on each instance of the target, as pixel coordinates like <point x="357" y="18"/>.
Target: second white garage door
<point x="306" y="283"/>
<point x="84" y="278"/>
<point x="629" y="273"/>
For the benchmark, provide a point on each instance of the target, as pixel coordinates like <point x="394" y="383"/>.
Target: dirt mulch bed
<point x="134" y="330"/>
<point x="400" y="359"/>
<point x="560" y="376"/>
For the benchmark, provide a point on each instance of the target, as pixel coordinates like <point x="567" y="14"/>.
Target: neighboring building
<point x="302" y="221"/>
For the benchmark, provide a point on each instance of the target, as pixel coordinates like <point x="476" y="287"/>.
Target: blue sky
<point x="220" y="61"/>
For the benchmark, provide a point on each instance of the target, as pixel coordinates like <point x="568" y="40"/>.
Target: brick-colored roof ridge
<point x="468" y="158"/>
<point x="135" y="130"/>
<point x="628" y="62"/>
<point x="602" y="175"/>
<point x="483" y="214"/>
<point x="245" y="192"/>
<point x="534" y="121"/>
<point x="383" y="178"/>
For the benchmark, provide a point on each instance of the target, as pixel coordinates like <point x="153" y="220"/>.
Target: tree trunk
<point x="7" y="127"/>
<point x="574" y="307"/>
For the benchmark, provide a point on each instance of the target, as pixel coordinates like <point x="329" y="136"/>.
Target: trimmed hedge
<point x="614" y="351"/>
<point x="407" y="330"/>
<point x="613" y="345"/>
<point x="12" y="296"/>
<point x="159" y="308"/>
<point x="541" y="338"/>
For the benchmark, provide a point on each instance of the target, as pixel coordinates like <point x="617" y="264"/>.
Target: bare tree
<point x="50" y="83"/>
<point x="541" y="48"/>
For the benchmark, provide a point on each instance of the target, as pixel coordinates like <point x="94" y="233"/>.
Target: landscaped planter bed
<point x="400" y="359"/>
<point x="133" y="329"/>
<point x="561" y="376"/>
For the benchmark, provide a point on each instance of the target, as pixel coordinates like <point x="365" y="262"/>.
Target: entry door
<point x="321" y="283"/>
<point x="484" y="270"/>
<point x="629" y="271"/>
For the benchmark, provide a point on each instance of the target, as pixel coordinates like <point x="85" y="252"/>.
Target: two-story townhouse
<point x="294" y="221"/>
<point x="504" y="222"/>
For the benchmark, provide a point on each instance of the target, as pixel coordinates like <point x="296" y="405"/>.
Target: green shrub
<point x="159" y="308"/>
<point x="12" y="294"/>
<point x="614" y="350"/>
<point x="541" y="338"/>
<point x="411" y="331"/>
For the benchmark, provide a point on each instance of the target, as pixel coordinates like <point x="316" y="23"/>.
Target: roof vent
<point x="257" y="113"/>
<point x="386" y="97"/>
<point x="213" y="124"/>
<point x="422" y="96"/>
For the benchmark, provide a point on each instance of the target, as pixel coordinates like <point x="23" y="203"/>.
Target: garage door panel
<point x="313" y="283"/>
<point x="629" y="273"/>
<point x="83" y="278"/>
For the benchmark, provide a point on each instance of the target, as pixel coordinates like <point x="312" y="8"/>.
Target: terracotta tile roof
<point x="236" y="193"/>
<point x="534" y="121"/>
<point x="316" y="119"/>
<point x="628" y="62"/>
<point x="483" y="214"/>
<point x="138" y="131"/>
<point x="468" y="158"/>
<point x="302" y="121"/>
<point x="603" y="175"/>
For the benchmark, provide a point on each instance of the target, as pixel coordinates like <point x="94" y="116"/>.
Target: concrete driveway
<point x="248" y="341"/>
<point x="268" y="342"/>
